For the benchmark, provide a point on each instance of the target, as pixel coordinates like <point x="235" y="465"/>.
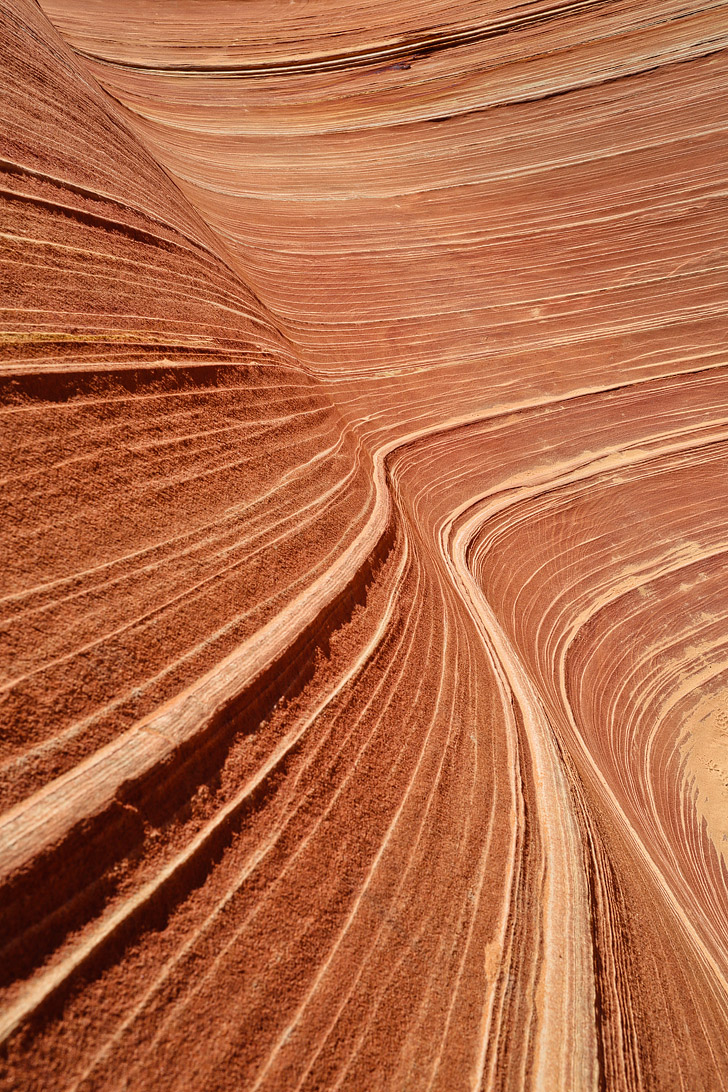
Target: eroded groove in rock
<point x="364" y="436"/>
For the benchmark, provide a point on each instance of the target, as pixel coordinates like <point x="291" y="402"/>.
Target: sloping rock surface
<point x="364" y="608"/>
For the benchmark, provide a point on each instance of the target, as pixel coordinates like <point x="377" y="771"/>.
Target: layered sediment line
<point x="363" y="406"/>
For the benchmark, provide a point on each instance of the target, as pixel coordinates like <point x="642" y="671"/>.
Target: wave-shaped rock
<point x="363" y="517"/>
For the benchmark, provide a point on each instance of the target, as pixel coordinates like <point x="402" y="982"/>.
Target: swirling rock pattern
<point x="364" y="610"/>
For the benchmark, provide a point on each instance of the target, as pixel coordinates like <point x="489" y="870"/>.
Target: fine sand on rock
<point x="364" y="609"/>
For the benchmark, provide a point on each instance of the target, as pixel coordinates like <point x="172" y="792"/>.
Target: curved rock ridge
<point x="364" y="403"/>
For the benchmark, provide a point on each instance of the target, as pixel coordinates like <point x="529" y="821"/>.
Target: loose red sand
<point x="363" y="622"/>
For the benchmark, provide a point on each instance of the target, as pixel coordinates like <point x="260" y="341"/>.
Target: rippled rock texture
<point x="364" y="607"/>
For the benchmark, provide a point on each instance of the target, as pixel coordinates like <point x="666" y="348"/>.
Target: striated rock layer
<point x="364" y="611"/>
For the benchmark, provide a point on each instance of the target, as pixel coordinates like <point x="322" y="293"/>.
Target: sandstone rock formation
<point x="364" y="611"/>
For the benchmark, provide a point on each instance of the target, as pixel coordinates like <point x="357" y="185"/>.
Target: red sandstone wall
<point x="364" y="436"/>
